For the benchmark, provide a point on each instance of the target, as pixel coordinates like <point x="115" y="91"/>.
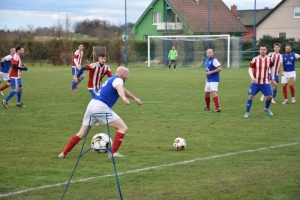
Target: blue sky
<point x="46" y="13"/>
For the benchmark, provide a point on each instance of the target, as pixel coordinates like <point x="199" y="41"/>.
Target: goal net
<point x="192" y="50"/>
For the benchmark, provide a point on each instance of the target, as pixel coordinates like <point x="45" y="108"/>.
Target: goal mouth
<point x="192" y="50"/>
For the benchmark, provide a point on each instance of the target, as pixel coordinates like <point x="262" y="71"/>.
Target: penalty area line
<point x="148" y="168"/>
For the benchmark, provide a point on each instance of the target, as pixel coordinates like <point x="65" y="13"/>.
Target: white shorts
<point x="96" y="106"/>
<point x="4" y="76"/>
<point x="287" y="75"/>
<point x="212" y="86"/>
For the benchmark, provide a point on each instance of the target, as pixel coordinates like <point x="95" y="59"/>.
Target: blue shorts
<point x="266" y="89"/>
<point x="75" y="71"/>
<point x="15" y="83"/>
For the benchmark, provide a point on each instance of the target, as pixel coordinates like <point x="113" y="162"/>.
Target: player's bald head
<point x="209" y="53"/>
<point x="120" y="70"/>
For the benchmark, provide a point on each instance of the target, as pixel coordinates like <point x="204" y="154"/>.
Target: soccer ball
<point x="179" y="144"/>
<point x="101" y="142"/>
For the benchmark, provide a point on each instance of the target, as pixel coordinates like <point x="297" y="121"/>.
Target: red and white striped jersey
<point x="16" y="60"/>
<point x="77" y="58"/>
<point x="277" y="59"/>
<point x="96" y="74"/>
<point x="261" y="66"/>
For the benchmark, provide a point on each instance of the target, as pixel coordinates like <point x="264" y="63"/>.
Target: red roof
<point x="222" y="19"/>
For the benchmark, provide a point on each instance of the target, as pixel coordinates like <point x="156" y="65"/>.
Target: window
<point x="296" y="12"/>
<point x="156" y="18"/>
<point x="173" y="18"/>
<point x="282" y="34"/>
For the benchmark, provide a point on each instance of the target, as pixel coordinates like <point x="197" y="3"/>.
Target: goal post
<point x="192" y="50"/>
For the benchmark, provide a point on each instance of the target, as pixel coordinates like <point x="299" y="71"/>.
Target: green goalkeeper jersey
<point x="173" y="55"/>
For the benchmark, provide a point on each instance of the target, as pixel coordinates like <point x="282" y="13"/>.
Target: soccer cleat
<point x="262" y="98"/>
<point x="293" y="100"/>
<point x="116" y="155"/>
<point x="217" y="110"/>
<point x="285" y="102"/>
<point x="21" y="105"/>
<point x="268" y="111"/>
<point x="273" y="101"/>
<point x="1" y="93"/>
<point x="62" y="155"/>
<point x="4" y="103"/>
<point x="246" y="115"/>
<point x="206" y="109"/>
<point x="75" y="89"/>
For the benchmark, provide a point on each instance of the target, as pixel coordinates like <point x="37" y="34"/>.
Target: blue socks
<point x="249" y="104"/>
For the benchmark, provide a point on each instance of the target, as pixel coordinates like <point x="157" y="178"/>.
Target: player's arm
<point x="14" y="65"/>
<point x="297" y="56"/>
<point x="121" y="93"/>
<point x="128" y="94"/>
<point x="81" y="70"/>
<point x="273" y="76"/>
<point x="75" y="59"/>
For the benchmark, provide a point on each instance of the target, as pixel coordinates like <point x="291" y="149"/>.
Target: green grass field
<point x="227" y="156"/>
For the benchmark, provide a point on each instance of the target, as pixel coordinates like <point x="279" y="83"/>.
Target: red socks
<point x="73" y="141"/>
<point x="284" y="91"/>
<point x="292" y="89"/>
<point x="216" y="101"/>
<point x="4" y="87"/>
<point x="207" y="101"/>
<point x="117" y="141"/>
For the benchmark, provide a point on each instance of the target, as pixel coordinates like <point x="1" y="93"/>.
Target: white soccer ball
<point x="179" y="144"/>
<point x="101" y="142"/>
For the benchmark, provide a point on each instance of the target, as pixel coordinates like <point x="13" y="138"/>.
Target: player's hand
<point x="282" y="73"/>
<point x="208" y="72"/>
<point x="24" y="69"/>
<point x="138" y="101"/>
<point x="126" y="101"/>
<point x="274" y="83"/>
<point x="253" y="80"/>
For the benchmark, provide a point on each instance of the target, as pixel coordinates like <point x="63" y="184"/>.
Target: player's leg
<point x="121" y="128"/>
<point x="275" y="89"/>
<point x="267" y="91"/>
<point x="4" y="76"/>
<point x="207" y="96"/>
<point x="14" y="86"/>
<point x="213" y="92"/>
<point x="291" y="85"/>
<point x="74" y="140"/>
<point x="174" y="61"/>
<point x="74" y="83"/>
<point x="284" y="82"/>
<point x="253" y="90"/>
<point x="170" y="62"/>
<point x="19" y="94"/>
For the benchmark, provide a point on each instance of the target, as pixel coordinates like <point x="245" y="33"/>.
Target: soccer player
<point x="76" y="65"/>
<point x="277" y="60"/>
<point x="173" y="54"/>
<point x="212" y="68"/>
<point x="4" y="75"/>
<point x="103" y="102"/>
<point x="258" y="71"/>
<point x="97" y="71"/>
<point x="288" y="73"/>
<point x="15" y="79"/>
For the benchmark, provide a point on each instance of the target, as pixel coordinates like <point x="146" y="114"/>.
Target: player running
<point x="15" y="78"/>
<point x="97" y="71"/>
<point x="5" y="67"/>
<point x="76" y="65"/>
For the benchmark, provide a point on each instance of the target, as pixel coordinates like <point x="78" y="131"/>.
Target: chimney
<point x="234" y="9"/>
<point x="266" y="8"/>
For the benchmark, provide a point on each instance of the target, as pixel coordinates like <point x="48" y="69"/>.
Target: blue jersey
<point x="6" y="64"/>
<point x="210" y="65"/>
<point x="289" y="62"/>
<point x="108" y="93"/>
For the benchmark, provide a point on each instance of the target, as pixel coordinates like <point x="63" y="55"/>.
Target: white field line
<point x="148" y="168"/>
